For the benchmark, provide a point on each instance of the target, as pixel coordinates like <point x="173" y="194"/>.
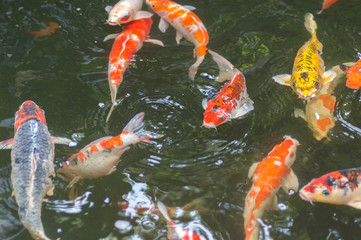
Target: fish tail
<point x="226" y="71"/>
<point x="163" y="211"/>
<point x="110" y="113"/>
<point x="113" y="96"/>
<point x="136" y="125"/>
<point x="310" y="24"/>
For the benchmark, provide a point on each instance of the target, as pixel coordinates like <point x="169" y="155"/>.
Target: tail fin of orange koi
<point x="226" y="69"/>
<point x="310" y="24"/>
<point x="113" y="96"/>
<point x="163" y="210"/>
<point x="136" y="125"/>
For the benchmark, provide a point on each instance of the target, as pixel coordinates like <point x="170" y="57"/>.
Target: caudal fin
<point x="226" y="69"/>
<point x="163" y="211"/>
<point x="310" y="24"/>
<point x="136" y="125"/>
<point x="113" y="96"/>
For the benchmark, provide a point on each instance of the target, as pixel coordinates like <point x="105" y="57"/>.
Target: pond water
<point x="205" y="170"/>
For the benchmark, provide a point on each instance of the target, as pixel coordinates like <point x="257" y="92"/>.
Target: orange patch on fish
<point x="93" y="149"/>
<point x="328" y="102"/>
<point x="324" y="123"/>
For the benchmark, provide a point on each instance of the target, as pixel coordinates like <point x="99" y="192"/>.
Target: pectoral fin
<point x="355" y="204"/>
<point x="299" y="113"/>
<point x="243" y="109"/>
<point x="328" y="76"/>
<point x="155" y="41"/>
<point x="273" y="204"/>
<point x="108" y="8"/>
<point x="283" y="79"/>
<point x="75" y="180"/>
<point x="190" y="8"/>
<point x="50" y="192"/>
<point x="111" y="36"/>
<point x="163" y="25"/>
<point x="252" y="169"/>
<point x="290" y="182"/>
<point x="7" y="144"/>
<point x="143" y="14"/>
<point x="204" y="104"/>
<point x="178" y="37"/>
<point x="65" y="141"/>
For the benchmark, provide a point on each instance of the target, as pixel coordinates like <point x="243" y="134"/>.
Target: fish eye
<point x="125" y="15"/>
<point x="153" y="6"/>
<point x="293" y="84"/>
<point x="325" y="192"/>
<point x="317" y="84"/>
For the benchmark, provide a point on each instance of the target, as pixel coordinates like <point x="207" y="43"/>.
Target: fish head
<point x="121" y="13"/>
<point x="287" y="150"/>
<point x="306" y="84"/>
<point x="333" y="188"/>
<point x="215" y="116"/>
<point x="158" y="6"/>
<point x="29" y="110"/>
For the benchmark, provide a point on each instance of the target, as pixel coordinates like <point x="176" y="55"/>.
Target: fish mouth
<point x="308" y="96"/>
<point x="112" y="23"/>
<point x="209" y="125"/>
<point x="305" y="197"/>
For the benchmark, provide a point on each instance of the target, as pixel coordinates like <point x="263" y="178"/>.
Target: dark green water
<point x="66" y="74"/>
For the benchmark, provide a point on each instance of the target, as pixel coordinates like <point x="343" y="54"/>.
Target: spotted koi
<point x="32" y="164"/>
<point x="308" y="74"/>
<point x="100" y="157"/>
<point x="232" y="101"/>
<point x="126" y="44"/>
<point x="341" y="187"/>
<point x="353" y="75"/>
<point x="187" y="25"/>
<point x="268" y="176"/>
<point x="126" y="11"/>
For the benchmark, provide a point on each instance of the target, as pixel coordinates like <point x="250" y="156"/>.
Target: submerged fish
<point x="126" y="11"/>
<point x="308" y="74"/>
<point x="176" y="232"/>
<point x="268" y="176"/>
<point x="326" y="4"/>
<point x="32" y="164"/>
<point x="46" y="31"/>
<point x="353" y="75"/>
<point x="126" y="44"/>
<point x="232" y="101"/>
<point x="187" y="25"/>
<point x="100" y="157"/>
<point x="340" y="187"/>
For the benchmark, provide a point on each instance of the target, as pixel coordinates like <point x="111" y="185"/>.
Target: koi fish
<point x="46" y="31"/>
<point x="308" y="74"/>
<point x="340" y="188"/>
<point x="319" y="111"/>
<point x="353" y="75"/>
<point x="126" y="11"/>
<point x="126" y="44"/>
<point x="268" y="176"/>
<point x="187" y="25"/>
<point x="232" y="101"/>
<point x="100" y="157"/>
<point x="176" y="232"/>
<point x="32" y="164"/>
<point x="326" y="4"/>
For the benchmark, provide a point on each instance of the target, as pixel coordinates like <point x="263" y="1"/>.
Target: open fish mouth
<point x="209" y="125"/>
<point x="305" y="197"/>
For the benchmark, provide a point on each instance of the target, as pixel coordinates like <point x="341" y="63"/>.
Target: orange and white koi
<point x="320" y="110"/>
<point x="326" y="4"/>
<point x="232" y="101"/>
<point x="268" y="176"/>
<point x="175" y="232"/>
<point x="187" y="25"/>
<point x="126" y="44"/>
<point x="341" y="187"/>
<point x="308" y="74"/>
<point x="32" y="164"/>
<point x="46" y="31"/>
<point x="126" y="11"/>
<point x="353" y="75"/>
<point x="100" y="157"/>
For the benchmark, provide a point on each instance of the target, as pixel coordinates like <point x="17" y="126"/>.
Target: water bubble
<point x="59" y="230"/>
<point x="123" y="226"/>
<point x="282" y="206"/>
<point x="219" y="162"/>
<point x="101" y="105"/>
<point x="77" y="136"/>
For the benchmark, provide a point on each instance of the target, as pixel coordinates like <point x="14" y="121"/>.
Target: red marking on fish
<point x="326" y="4"/>
<point x="28" y="110"/>
<point x="268" y="176"/>
<point x="46" y="31"/>
<point x="354" y="75"/>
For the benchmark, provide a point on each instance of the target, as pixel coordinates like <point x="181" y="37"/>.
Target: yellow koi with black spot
<point x="308" y="74"/>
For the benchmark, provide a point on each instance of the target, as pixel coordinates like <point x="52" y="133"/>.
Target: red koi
<point x="176" y="232"/>
<point x="126" y="11"/>
<point x="126" y="44"/>
<point x="341" y="187"/>
<point x="268" y="176"/>
<point x="232" y="101"/>
<point x="101" y="156"/>
<point x="46" y="31"/>
<point x="353" y="75"/>
<point x="326" y="4"/>
<point x="187" y="25"/>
